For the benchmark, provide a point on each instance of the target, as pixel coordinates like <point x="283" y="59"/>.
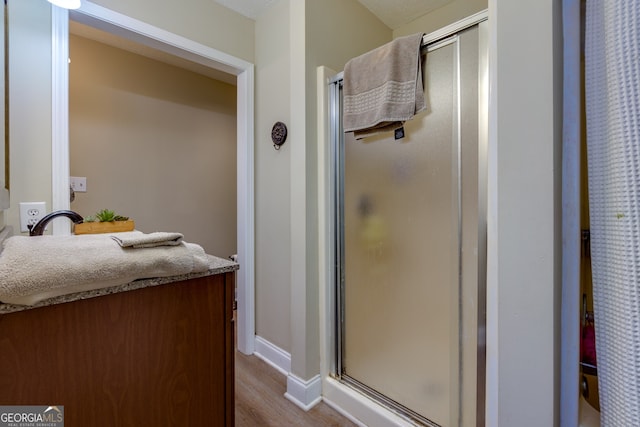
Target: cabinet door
<point x="161" y="355"/>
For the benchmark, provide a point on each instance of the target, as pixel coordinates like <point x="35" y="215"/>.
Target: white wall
<point x="524" y="213"/>
<point x="29" y="105"/>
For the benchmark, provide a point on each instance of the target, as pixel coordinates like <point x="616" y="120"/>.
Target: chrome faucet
<point x="38" y="229"/>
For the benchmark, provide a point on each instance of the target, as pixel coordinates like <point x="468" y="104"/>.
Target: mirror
<point x="4" y="151"/>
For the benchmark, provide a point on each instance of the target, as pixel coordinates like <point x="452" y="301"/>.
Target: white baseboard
<point x="272" y="355"/>
<point x="358" y="407"/>
<point x="305" y="394"/>
<point x="342" y="412"/>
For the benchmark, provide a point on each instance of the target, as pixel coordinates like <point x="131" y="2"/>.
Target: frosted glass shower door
<point x="409" y="249"/>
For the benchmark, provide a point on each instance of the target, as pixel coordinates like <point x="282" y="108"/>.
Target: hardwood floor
<point x="260" y="400"/>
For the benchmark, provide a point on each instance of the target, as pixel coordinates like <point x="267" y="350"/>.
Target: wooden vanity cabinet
<point x="157" y="356"/>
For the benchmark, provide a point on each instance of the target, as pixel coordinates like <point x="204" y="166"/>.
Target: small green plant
<point x="105" y="215"/>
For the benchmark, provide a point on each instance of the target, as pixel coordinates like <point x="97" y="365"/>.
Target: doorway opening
<point x="155" y="140"/>
<point x="139" y="32"/>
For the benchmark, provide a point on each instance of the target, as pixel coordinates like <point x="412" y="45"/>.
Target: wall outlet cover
<point x="78" y="183"/>
<point x="31" y="213"/>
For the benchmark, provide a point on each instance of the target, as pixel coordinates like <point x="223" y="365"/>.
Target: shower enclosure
<point x="410" y="245"/>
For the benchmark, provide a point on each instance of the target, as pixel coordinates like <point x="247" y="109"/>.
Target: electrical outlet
<point x="78" y="183"/>
<point x="31" y="213"/>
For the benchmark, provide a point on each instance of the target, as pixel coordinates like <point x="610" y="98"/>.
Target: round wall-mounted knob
<point x="278" y="134"/>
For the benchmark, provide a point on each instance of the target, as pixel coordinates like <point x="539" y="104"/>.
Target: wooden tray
<point x="103" y="227"/>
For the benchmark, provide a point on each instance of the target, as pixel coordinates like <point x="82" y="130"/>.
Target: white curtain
<point x="612" y="54"/>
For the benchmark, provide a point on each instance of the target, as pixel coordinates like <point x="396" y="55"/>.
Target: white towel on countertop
<point x="139" y="240"/>
<point x="36" y="268"/>
<point x="383" y="88"/>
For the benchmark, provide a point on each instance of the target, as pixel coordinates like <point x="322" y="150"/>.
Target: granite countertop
<point x="216" y="266"/>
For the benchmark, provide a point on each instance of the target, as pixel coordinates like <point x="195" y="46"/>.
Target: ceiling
<point x="394" y="13"/>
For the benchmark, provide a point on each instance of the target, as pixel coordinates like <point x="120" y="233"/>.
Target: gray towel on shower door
<point x="383" y="88"/>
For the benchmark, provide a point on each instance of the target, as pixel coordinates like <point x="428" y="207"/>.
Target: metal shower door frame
<point x="431" y="41"/>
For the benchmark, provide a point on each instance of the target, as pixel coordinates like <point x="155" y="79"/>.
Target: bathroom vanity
<point x="152" y="352"/>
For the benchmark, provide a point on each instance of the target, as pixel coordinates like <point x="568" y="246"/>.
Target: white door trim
<point x="60" y="128"/>
<point x="141" y="32"/>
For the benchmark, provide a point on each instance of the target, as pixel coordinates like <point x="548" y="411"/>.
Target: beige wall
<point x="157" y="143"/>
<point x="338" y="30"/>
<point x="273" y="178"/>
<point x="445" y="15"/>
